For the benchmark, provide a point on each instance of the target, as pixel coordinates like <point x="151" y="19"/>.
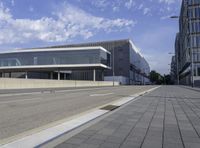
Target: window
<point x="35" y="61"/>
<point x="198" y="71"/>
<point x="95" y="56"/>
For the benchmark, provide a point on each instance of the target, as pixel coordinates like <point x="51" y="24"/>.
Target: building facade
<point x="187" y="46"/>
<point x="128" y="66"/>
<point x="83" y="63"/>
<point x="117" y="60"/>
<point x="173" y="70"/>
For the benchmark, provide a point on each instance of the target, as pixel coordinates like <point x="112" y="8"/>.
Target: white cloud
<point x="31" y="9"/>
<point x="69" y="22"/>
<point x="12" y="2"/>
<point x="168" y="1"/>
<point x="146" y="11"/>
<point x="115" y="9"/>
<point x="140" y="6"/>
<point x="102" y="4"/>
<point x="129" y="4"/>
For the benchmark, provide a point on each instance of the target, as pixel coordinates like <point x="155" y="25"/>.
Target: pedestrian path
<point x="168" y="117"/>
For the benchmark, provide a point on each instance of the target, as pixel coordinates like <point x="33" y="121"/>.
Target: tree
<point x="168" y="80"/>
<point x="156" y="78"/>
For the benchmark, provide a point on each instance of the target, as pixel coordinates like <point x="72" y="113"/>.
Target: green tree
<point x="156" y="78"/>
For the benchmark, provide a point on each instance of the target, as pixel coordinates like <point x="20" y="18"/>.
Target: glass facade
<point x="55" y="57"/>
<point x="188" y="51"/>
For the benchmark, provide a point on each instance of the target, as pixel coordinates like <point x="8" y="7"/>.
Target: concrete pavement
<point x="168" y="117"/>
<point x="21" y="112"/>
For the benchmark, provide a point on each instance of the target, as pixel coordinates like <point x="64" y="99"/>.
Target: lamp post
<point x="113" y="66"/>
<point x="191" y="51"/>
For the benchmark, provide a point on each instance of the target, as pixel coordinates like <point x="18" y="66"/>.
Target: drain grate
<point x="109" y="107"/>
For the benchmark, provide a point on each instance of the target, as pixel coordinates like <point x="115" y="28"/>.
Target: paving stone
<point x="173" y="145"/>
<point x="67" y="145"/>
<point x="192" y="145"/>
<point x="142" y="121"/>
<point x="88" y="146"/>
<point x="114" y="139"/>
<point x="76" y="140"/>
<point x="109" y="145"/>
<point x="94" y="141"/>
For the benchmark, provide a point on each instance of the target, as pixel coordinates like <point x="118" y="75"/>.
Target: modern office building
<point x="173" y="69"/>
<point x="128" y="66"/>
<point x="81" y="63"/>
<point x="187" y="46"/>
<point x="117" y="60"/>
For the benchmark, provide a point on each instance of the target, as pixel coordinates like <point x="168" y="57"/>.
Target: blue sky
<point x="36" y="23"/>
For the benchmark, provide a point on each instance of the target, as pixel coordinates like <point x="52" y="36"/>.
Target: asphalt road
<point x="26" y="110"/>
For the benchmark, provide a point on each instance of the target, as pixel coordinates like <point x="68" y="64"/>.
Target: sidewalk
<point x="168" y="117"/>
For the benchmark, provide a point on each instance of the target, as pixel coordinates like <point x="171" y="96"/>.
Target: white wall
<point x="13" y="83"/>
<point x="120" y="79"/>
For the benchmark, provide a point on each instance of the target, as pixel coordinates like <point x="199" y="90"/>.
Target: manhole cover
<point x="109" y="107"/>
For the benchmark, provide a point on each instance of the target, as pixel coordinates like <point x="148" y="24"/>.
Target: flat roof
<point x="57" y="49"/>
<point x="84" y="43"/>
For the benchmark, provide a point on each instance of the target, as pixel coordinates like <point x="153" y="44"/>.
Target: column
<point x="65" y="76"/>
<point x="26" y="75"/>
<point x="58" y="74"/>
<point x="51" y="75"/>
<point x="102" y="75"/>
<point x="196" y="70"/>
<point x="94" y="75"/>
<point x="9" y="74"/>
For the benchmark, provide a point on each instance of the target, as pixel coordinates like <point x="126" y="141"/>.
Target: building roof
<point x="55" y="49"/>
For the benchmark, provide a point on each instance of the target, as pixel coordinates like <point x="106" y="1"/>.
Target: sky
<point x="38" y="23"/>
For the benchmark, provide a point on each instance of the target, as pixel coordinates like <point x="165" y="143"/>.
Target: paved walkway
<point x="168" y="117"/>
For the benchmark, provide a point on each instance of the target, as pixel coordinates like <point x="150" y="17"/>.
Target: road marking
<point x="22" y="100"/>
<point x="19" y="94"/>
<point x="50" y="91"/>
<point x="96" y="95"/>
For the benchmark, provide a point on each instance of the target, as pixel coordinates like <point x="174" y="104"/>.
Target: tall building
<point x="117" y="60"/>
<point x="187" y="46"/>
<point x="177" y="59"/>
<point x="173" y="69"/>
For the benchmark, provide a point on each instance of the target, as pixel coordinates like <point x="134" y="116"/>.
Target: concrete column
<point x="196" y="70"/>
<point x="94" y="75"/>
<point x="10" y="74"/>
<point x="102" y="75"/>
<point x="26" y="75"/>
<point x="51" y="75"/>
<point x="58" y="74"/>
<point x="65" y="76"/>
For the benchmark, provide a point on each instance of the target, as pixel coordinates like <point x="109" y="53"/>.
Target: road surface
<point x="29" y="109"/>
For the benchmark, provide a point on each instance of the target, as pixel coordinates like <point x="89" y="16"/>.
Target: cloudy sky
<point x="36" y="23"/>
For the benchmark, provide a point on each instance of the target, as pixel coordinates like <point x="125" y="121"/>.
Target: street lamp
<point x="113" y="67"/>
<point x="191" y="51"/>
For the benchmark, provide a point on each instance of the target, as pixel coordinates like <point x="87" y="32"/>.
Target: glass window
<point x="198" y="71"/>
<point x="96" y="56"/>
